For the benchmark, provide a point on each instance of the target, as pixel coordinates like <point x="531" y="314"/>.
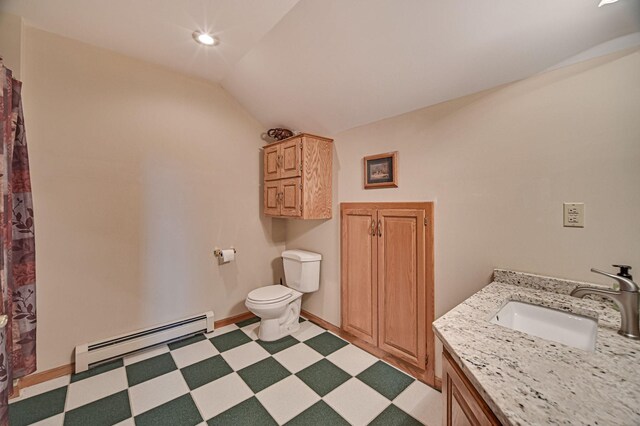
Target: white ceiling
<point x="325" y="66"/>
<point x="160" y="31"/>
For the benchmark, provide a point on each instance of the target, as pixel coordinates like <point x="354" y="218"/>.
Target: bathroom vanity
<point x="494" y="374"/>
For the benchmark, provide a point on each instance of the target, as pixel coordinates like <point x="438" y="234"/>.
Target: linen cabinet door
<point x="291" y="162"/>
<point x="401" y="285"/>
<point x="359" y="279"/>
<point x="291" y="198"/>
<point x="272" y="160"/>
<point x="272" y="198"/>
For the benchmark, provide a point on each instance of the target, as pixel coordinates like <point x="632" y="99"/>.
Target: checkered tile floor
<point x="229" y="377"/>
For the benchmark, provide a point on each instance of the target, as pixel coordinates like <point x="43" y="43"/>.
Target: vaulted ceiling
<point x="328" y="65"/>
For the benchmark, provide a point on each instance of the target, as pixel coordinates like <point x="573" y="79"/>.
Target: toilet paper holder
<point x="218" y="252"/>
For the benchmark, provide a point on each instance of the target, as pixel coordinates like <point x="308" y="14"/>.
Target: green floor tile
<point x="205" y="371"/>
<point x="385" y="379"/>
<point x="106" y="411"/>
<point x="185" y="342"/>
<point x="248" y="413"/>
<point x="180" y="411"/>
<point x="278" y="345"/>
<point x="393" y="416"/>
<point x="323" y="376"/>
<point x="94" y="371"/>
<point x="326" y="343"/>
<point x="263" y="374"/>
<point x="37" y="408"/>
<point x="150" y="368"/>
<point x="318" y="414"/>
<point x="247" y="322"/>
<point x="230" y="340"/>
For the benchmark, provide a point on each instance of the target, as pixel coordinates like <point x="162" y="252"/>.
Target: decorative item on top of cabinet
<point x="297" y="177"/>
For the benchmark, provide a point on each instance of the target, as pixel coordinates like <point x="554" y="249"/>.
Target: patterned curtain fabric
<point x="17" y="245"/>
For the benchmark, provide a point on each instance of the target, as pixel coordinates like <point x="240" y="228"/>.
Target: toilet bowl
<point x="278" y="306"/>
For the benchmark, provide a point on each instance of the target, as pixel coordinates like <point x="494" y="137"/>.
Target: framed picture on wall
<point x="381" y="171"/>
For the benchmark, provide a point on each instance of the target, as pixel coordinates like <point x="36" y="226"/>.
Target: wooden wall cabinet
<point x="463" y="405"/>
<point x="387" y="279"/>
<point x="298" y="177"/>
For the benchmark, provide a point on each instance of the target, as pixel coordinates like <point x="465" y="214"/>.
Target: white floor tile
<point x="422" y="402"/>
<point x="193" y="353"/>
<point x="245" y="355"/>
<point x="42" y="388"/>
<point x="297" y="357"/>
<point x="220" y="395"/>
<point x="352" y="359"/>
<point x="221" y="330"/>
<point x="51" y="421"/>
<point x="252" y="330"/>
<point x="307" y="330"/>
<point x="356" y="402"/>
<point x="145" y="354"/>
<point x="93" y="388"/>
<point x="157" y="391"/>
<point x="287" y="398"/>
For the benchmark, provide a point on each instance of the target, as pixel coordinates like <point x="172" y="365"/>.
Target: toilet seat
<point x="270" y="294"/>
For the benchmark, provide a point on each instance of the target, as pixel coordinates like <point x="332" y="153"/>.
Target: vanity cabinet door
<point x="462" y="404"/>
<point x="401" y="284"/>
<point x="359" y="286"/>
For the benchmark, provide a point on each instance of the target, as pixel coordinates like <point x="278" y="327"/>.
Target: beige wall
<point x="138" y="173"/>
<point x="499" y="165"/>
<point x="11" y="42"/>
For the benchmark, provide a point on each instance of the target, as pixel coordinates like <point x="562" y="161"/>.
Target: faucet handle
<point x="624" y="271"/>
<point x="625" y="283"/>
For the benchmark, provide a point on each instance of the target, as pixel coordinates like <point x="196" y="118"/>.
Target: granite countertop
<point x="527" y="380"/>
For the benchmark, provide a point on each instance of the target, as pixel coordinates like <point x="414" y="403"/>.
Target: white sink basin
<point x="562" y="327"/>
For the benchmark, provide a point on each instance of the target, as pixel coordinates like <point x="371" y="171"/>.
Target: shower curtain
<point x="17" y="245"/>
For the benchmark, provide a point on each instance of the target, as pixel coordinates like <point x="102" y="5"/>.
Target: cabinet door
<point x="272" y="198"/>
<point x="272" y="160"/>
<point x="291" y="162"/>
<point x="463" y="406"/>
<point x="401" y="284"/>
<point x="291" y="198"/>
<point x="359" y="285"/>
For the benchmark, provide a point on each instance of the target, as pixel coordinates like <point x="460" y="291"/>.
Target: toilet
<point x="278" y="306"/>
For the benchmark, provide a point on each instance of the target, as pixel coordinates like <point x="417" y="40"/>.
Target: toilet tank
<point x="302" y="270"/>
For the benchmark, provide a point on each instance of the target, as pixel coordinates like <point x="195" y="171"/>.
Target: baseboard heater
<point x="90" y="354"/>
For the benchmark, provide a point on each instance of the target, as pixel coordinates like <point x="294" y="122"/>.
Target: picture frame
<point x="381" y="170"/>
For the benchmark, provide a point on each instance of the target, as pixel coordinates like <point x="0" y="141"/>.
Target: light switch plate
<point x="574" y="215"/>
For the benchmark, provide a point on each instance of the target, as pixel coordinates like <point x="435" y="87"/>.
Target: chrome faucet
<point x="627" y="299"/>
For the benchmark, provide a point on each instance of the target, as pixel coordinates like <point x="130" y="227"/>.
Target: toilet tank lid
<point x="301" y="255"/>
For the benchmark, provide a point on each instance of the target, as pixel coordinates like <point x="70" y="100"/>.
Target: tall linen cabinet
<point x="387" y="280"/>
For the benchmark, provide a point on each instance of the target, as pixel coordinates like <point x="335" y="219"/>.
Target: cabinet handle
<point x="279" y="161"/>
<point x="279" y="198"/>
<point x="373" y="228"/>
<point x="379" y="228"/>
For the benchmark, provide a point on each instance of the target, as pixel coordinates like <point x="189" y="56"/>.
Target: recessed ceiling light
<point x="603" y="2"/>
<point x="205" y="38"/>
